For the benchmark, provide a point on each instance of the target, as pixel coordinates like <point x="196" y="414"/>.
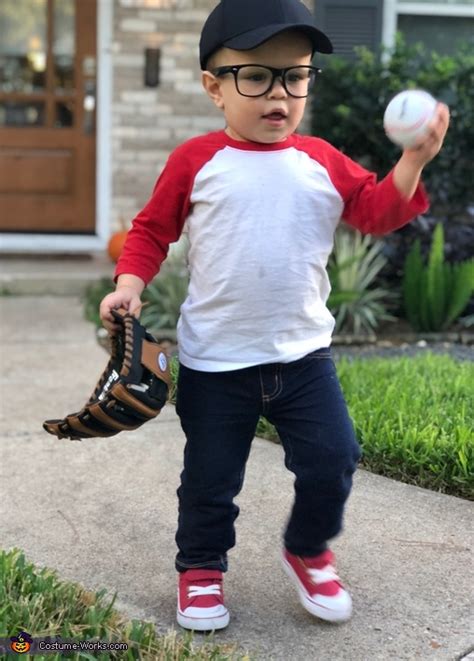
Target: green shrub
<point x="353" y="268"/>
<point x="435" y="295"/>
<point x="162" y="298"/>
<point x="92" y="298"/>
<point x="351" y="98"/>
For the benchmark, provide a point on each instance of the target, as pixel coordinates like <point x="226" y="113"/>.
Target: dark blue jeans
<point x="219" y="412"/>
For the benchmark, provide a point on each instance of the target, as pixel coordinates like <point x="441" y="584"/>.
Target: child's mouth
<point x="275" y="117"/>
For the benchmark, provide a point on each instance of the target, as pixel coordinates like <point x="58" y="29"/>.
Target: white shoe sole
<point x="203" y="624"/>
<point x="318" y="610"/>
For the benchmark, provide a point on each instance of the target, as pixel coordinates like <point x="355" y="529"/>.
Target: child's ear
<point x="213" y="88"/>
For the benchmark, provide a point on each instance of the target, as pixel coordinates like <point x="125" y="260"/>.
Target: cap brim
<point x="257" y="37"/>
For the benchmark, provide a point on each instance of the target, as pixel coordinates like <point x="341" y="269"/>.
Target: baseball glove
<point x="132" y="389"/>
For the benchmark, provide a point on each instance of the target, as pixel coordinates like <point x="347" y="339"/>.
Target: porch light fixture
<point x="152" y="67"/>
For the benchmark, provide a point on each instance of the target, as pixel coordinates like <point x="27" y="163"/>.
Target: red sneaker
<point x="201" y="600"/>
<point x="319" y="587"/>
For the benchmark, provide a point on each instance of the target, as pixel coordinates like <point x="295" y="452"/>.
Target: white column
<point x="389" y="23"/>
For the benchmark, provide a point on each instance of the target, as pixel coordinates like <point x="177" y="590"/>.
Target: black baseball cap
<point x="246" y="24"/>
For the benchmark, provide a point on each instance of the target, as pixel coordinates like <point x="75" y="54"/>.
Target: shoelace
<point x="198" y="591"/>
<point x="325" y="575"/>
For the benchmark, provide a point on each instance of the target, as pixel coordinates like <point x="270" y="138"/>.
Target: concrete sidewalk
<point x="103" y="513"/>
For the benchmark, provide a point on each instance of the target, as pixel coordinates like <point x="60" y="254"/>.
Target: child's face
<point x="250" y="118"/>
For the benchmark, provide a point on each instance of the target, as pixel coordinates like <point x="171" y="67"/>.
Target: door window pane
<point x="23" y="26"/>
<point x="64" y="45"/>
<point x="21" y="113"/>
<point x="443" y="34"/>
<point x="64" y="114"/>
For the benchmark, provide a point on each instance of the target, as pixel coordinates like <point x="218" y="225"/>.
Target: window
<point x="439" y="33"/>
<point x="439" y="24"/>
<point x="350" y="23"/>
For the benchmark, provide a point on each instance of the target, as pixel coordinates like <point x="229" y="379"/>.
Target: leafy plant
<point x="163" y="298"/>
<point x="353" y="268"/>
<point x="435" y="295"/>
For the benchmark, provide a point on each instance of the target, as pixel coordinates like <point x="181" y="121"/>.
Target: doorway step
<point x="53" y="275"/>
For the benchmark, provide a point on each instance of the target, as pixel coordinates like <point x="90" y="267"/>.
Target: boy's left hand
<point x="430" y="144"/>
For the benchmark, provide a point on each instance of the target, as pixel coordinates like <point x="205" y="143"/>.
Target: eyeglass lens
<point x="256" y="81"/>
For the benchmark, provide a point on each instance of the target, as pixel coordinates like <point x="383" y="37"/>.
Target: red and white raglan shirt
<point x="260" y="219"/>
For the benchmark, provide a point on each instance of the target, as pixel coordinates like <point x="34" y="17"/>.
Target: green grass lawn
<point x="36" y="601"/>
<point x="414" y="418"/>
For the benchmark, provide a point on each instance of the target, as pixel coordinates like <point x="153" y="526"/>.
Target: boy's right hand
<point x="123" y="297"/>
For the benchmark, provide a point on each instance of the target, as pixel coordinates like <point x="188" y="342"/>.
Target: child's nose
<point x="278" y="90"/>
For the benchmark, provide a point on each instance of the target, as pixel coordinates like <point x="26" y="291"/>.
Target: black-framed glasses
<point x="258" y="80"/>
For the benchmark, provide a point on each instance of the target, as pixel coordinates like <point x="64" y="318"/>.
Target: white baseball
<point x="407" y="117"/>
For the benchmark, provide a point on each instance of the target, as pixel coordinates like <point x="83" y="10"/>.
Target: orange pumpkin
<point x="116" y="242"/>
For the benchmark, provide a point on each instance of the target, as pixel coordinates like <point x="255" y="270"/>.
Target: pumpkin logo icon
<point x="21" y="643"/>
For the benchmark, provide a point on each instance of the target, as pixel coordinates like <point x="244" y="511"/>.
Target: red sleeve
<point x="378" y="207"/>
<point x="370" y="206"/>
<point x="162" y="220"/>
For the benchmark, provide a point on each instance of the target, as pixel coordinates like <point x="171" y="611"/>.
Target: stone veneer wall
<point x="147" y="124"/>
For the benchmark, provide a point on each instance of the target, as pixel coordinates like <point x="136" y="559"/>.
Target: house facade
<point x="94" y="94"/>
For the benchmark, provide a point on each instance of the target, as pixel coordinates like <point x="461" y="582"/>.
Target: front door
<point x="47" y="116"/>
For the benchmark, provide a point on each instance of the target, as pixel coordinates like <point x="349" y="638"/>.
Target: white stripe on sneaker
<point x="325" y="575"/>
<point x="199" y="591"/>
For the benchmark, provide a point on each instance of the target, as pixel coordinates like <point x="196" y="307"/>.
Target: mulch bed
<point x="456" y="351"/>
<point x="458" y="344"/>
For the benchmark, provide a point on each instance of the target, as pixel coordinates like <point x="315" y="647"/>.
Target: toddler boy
<point x="260" y="205"/>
